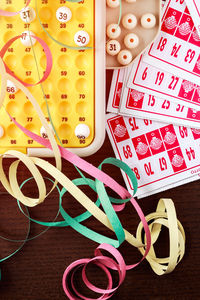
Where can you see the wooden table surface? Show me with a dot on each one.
(36, 271)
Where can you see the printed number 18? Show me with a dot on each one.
(162, 44)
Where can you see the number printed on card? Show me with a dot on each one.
(177, 49)
(163, 84)
(159, 154)
(142, 105)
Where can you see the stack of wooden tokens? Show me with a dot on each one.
(138, 27)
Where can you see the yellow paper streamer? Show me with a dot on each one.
(13, 187)
(164, 216)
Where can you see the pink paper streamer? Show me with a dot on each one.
(102, 261)
(93, 171)
(46, 51)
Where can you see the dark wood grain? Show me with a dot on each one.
(35, 272)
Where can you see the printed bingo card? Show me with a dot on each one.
(194, 8)
(162, 84)
(177, 47)
(142, 105)
(127, 101)
(161, 155)
(115, 90)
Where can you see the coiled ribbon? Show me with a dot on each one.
(46, 51)
(32, 163)
(165, 215)
(161, 218)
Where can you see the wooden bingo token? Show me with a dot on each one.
(63, 14)
(28, 14)
(140, 18)
(81, 38)
(131, 40)
(113, 31)
(113, 47)
(113, 3)
(11, 87)
(82, 131)
(43, 132)
(124, 57)
(129, 21)
(27, 38)
(148, 21)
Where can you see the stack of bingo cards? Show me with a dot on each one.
(155, 104)
(73, 92)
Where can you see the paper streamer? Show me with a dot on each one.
(67, 153)
(17, 241)
(173, 253)
(23, 241)
(165, 215)
(114, 186)
(46, 51)
(32, 163)
(80, 218)
(104, 263)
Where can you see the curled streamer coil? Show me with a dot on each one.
(165, 215)
(32, 163)
(46, 51)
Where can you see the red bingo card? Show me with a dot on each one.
(161, 155)
(194, 9)
(177, 49)
(115, 91)
(162, 84)
(143, 105)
